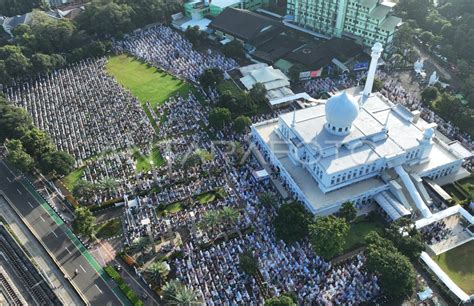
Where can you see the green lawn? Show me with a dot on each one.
(210, 196)
(169, 209)
(72, 178)
(143, 161)
(359, 229)
(468, 185)
(109, 229)
(454, 192)
(145, 82)
(458, 263)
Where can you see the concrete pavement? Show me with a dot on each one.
(67, 251)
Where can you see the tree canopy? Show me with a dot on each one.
(291, 223)
(396, 274)
(84, 222)
(17, 156)
(347, 211)
(241, 123)
(219, 117)
(328, 235)
(248, 263)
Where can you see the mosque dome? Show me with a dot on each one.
(341, 110)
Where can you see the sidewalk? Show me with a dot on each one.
(60, 286)
(265, 166)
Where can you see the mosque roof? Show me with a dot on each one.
(341, 109)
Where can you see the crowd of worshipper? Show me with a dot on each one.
(435, 232)
(317, 86)
(77, 106)
(164, 47)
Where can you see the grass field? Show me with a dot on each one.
(458, 263)
(109, 229)
(145, 82)
(72, 178)
(142, 162)
(358, 230)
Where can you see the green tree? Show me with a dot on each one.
(258, 93)
(60, 162)
(211, 77)
(396, 274)
(193, 34)
(268, 200)
(210, 220)
(406, 238)
(229, 215)
(37, 142)
(241, 123)
(219, 117)
(14, 121)
(429, 94)
(84, 222)
(104, 18)
(291, 223)
(248, 263)
(175, 293)
(84, 189)
(17, 156)
(328, 235)
(234, 49)
(157, 273)
(347, 211)
(294, 72)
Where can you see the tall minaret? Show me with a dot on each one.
(376, 52)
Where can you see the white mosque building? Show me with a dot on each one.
(359, 147)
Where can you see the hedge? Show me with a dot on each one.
(129, 293)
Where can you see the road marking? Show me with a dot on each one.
(98, 288)
(31, 205)
(83, 268)
(54, 234)
(9, 180)
(68, 250)
(18, 191)
(42, 219)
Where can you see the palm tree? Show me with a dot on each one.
(109, 184)
(268, 200)
(210, 219)
(229, 215)
(157, 272)
(175, 293)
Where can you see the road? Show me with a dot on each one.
(57, 238)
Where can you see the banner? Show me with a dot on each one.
(316, 73)
(361, 66)
(305, 75)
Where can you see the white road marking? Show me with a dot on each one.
(18, 191)
(98, 288)
(68, 250)
(54, 234)
(83, 268)
(42, 219)
(31, 205)
(9, 180)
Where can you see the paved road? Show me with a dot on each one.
(59, 241)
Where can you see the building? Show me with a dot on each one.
(359, 147)
(245, 26)
(366, 21)
(200, 8)
(275, 82)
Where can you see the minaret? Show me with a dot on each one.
(293, 122)
(376, 53)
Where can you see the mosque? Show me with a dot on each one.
(358, 146)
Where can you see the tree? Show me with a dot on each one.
(406, 238)
(104, 18)
(241, 123)
(294, 72)
(175, 293)
(258, 93)
(14, 121)
(268, 200)
(219, 117)
(18, 7)
(427, 37)
(60, 162)
(211, 77)
(234, 49)
(193, 34)
(347, 211)
(229, 215)
(248, 263)
(84, 189)
(429, 94)
(396, 274)
(84, 222)
(282, 300)
(17, 156)
(158, 272)
(210, 220)
(291, 223)
(37, 142)
(327, 235)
